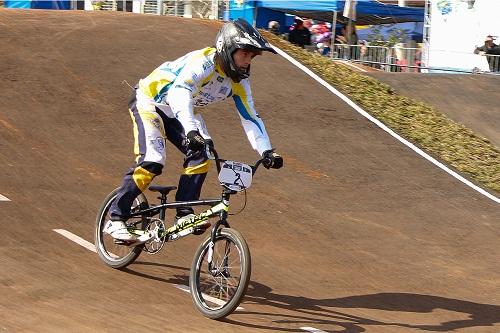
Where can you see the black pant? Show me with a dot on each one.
(138, 177)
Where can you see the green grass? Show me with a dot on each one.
(472, 155)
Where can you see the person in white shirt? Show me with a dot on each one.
(163, 107)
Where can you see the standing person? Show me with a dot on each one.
(274, 27)
(325, 47)
(353, 39)
(490, 48)
(300, 35)
(349, 40)
(162, 108)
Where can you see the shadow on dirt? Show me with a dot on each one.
(175, 279)
(316, 311)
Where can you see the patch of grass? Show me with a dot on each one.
(419, 123)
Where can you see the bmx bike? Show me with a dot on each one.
(221, 267)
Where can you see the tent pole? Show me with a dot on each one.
(334, 26)
(349, 32)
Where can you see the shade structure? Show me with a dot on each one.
(367, 11)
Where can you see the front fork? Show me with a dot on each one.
(222, 221)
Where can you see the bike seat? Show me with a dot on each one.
(162, 189)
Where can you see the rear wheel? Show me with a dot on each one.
(218, 289)
(112, 253)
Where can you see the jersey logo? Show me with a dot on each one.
(207, 65)
(158, 143)
(155, 122)
(223, 90)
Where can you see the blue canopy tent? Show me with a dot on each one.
(39, 4)
(17, 4)
(367, 11)
(412, 30)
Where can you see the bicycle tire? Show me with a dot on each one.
(104, 243)
(198, 290)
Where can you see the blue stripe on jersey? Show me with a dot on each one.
(176, 73)
(162, 92)
(243, 111)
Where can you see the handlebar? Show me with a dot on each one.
(211, 154)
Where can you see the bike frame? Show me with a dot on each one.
(150, 221)
(219, 207)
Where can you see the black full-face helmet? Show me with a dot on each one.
(236, 35)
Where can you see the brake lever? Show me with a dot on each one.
(256, 166)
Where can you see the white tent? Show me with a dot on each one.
(457, 27)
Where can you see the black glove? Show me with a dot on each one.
(272, 160)
(195, 141)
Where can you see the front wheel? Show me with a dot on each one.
(218, 288)
(110, 252)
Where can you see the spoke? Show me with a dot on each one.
(232, 282)
(218, 286)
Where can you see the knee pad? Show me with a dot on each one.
(144, 173)
(152, 167)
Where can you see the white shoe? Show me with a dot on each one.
(118, 230)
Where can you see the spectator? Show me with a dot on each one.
(308, 24)
(363, 51)
(316, 34)
(326, 47)
(345, 50)
(490, 48)
(353, 39)
(300, 35)
(418, 60)
(343, 39)
(274, 27)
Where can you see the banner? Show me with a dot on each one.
(457, 28)
(350, 9)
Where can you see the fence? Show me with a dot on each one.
(493, 62)
(390, 59)
(208, 9)
(404, 59)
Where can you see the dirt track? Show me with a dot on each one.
(355, 234)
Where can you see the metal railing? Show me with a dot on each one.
(173, 8)
(151, 7)
(390, 59)
(493, 62)
(406, 59)
(104, 5)
(207, 9)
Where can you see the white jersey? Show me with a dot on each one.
(193, 81)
